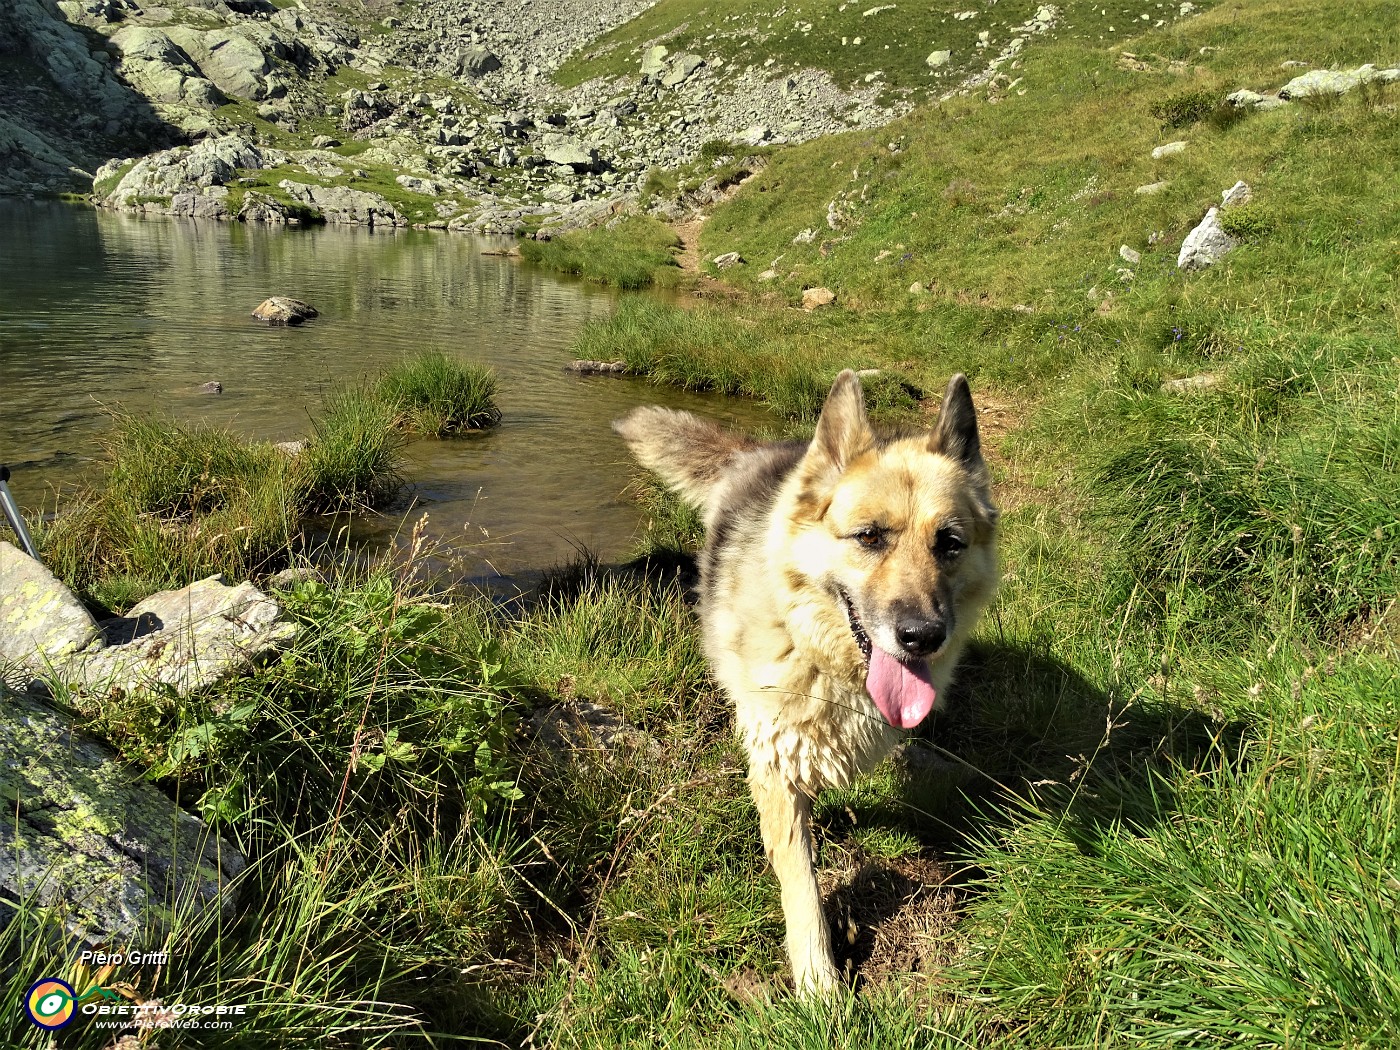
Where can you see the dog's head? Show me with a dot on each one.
(898, 534)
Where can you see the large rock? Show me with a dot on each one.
(654, 61)
(178, 640)
(681, 68)
(1205, 245)
(84, 833)
(234, 63)
(477, 62)
(570, 152)
(280, 309)
(40, 620)
(1317, 82)
(153, 63)
(183, 170)
(181, 641)
(340, 204)
(228, 57)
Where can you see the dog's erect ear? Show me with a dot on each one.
(843, 430)
(956, 433)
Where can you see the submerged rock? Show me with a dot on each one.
(592, 368)
(279, 309)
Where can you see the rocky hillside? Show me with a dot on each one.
(454, 113)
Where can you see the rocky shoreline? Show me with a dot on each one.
(288, 114)
(441, 115)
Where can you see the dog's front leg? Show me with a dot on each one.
(785, 814)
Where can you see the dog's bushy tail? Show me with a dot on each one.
(687, 452)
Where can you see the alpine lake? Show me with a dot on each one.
(104, 313)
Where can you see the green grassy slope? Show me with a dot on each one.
(1185, 706)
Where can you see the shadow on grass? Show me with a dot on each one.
(1025, 737)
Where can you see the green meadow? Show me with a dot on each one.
(1162, 807)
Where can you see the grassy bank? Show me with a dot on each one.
(1179, 730)
(637, 252)
(181, 502)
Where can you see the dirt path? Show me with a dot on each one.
(688, 258)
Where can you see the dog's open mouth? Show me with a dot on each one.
(903, 692)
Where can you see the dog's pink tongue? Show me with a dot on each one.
(903, 693)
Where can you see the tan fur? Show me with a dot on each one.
(781, 558)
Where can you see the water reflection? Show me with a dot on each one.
(100, 310)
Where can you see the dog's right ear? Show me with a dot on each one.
(843, 429)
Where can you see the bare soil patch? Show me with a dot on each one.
(890, 917)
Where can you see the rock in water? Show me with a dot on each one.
(280, 310)
(594, 368)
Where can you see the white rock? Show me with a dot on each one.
(1169, 149)
(938, 58)
(1205, 245)
(1240, 193)
(1129, 256)
(1205, 381)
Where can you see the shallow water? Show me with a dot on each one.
(100, 310)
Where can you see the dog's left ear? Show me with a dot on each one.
(956, 433)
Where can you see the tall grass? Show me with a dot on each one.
(351, 461)
(788, 361)
(178, 503)
(436, 396)
(181, 502)
(367, 777)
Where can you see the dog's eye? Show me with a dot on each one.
(947, 544)
(870, 538)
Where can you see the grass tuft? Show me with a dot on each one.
(437, 396)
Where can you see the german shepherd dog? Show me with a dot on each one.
(839, 581)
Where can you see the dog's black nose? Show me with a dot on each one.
(919, 637)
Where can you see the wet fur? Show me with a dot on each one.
(781, 557)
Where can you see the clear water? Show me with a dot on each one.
(100, 310)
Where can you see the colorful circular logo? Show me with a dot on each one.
(50, 1003)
